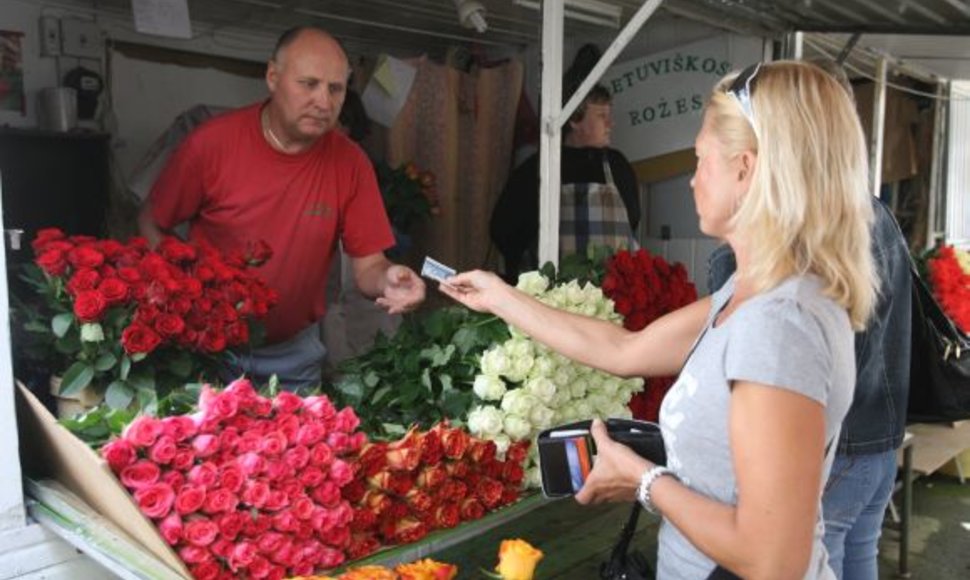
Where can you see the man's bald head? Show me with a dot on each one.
(311, 36)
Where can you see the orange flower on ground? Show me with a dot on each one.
(427, 569)
(517, 560)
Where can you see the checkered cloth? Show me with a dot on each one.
(593, 214)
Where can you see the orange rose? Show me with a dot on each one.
(369, 573)
(427, 569)
(517, 560)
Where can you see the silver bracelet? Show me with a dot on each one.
(646, 481)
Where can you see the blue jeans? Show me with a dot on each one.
(853, 506)
(297, 362)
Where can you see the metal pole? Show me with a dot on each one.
(550, 137)
(878, 127)
(619, 43)
(936, 164)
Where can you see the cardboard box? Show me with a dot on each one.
(47, 449)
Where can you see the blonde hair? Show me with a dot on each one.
(808, 208)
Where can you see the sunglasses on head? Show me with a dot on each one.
(741, 88)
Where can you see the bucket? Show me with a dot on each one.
(58, 109)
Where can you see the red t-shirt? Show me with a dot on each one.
(234, 188)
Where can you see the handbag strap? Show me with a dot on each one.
(626, 535)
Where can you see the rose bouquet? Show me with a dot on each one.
(523, 387)
(134, 323)
(247, 486)
(425, 481)
(644, 288)
(948, 270)
(409, 195)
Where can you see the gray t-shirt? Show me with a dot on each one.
(792, 337)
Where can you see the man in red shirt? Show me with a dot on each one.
(276, 171)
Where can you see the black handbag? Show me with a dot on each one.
(624, 564)
(939, 386)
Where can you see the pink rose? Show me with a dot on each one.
(357, 441)
(140, 474)
(302, 508)
(222, 548)
(319, 406)
(337, 537)
(119, 453)
(176, 479)
(229, 438)
(346, 420)
(248, 442)
(339, 442)
(311, 476)
(242, 389)
(258, 568)
(183, 460)
(204, 474)
(310, 433)
(272, 443)
(297, 457)
(287, 403)
(330, 557)
(302, 569)
(143, 431)
(171, 529)
(262, 407)
(205, 445)
(341, 472)
(278, 471)
(258, 525)
(156, 500)
(276, 501)
(288, 425)
(255, 494)
(201, 532)
(321, 455)
(285, 521)
(230, 524)
(270, 542)
(343, 514)
(163, 451)
(219, 500)
(242, 555)
(206, 570)
(231, 478)
(189, 499)
(179, 427)
(251, 464)
(218, 406)
(326, 494)
(194, 554)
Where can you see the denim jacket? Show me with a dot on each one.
(877, 417)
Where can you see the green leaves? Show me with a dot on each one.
(77, 377)
(422, 374)
(61, 323)
(119, 395)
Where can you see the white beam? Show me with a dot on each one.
(619, 43)
(550, 135)
(12, 514)
(878, 126)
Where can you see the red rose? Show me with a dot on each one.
(169, 325)
(219, 500)
(206, 570)
(513, 473)
(364, 520)
(510, 494)
(258, 252)
(377, 501)
(431, 449)
(455, 442)
(44, 237)
(432, 476)
(419, 501)
(156, 500)
(52, 262)
(352, 492)
(140, 474)
(212, 341)
(481, 450)
(472, 509)
(174, 250)
(361, 545)
(89, 305)
(446, 516)
(163, 451)
(189, 499)
(517, 452)
(489, 492)
(453, 490)
(138, 338)
(119, 453)
(457, 469)
(114, 290)
(404, 531)
(200, 532)
(171, 529)
(82, 280)
(85, 257)
(404, 454)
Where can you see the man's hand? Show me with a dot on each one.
(403, 290)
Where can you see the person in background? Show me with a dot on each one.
(277, 171)
(600, 203)
(766, 364)
(864, 472)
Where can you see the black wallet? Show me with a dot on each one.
(566, 452)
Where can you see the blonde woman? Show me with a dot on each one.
(767, 363)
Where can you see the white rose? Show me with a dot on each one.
(532, 283)
(541, 416)
(543, 389)
(564, 375)
(91, 332)
(485, 421)
(583, 410)
(533, 478)
(519, 402)
(519, 368)
(494, 362)
(489, 388)
(502, 443)
(516, 427)
(579, 387)
(588, 309)
(519, 347)
(543, 366)
(575, 294)
(609, 387)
